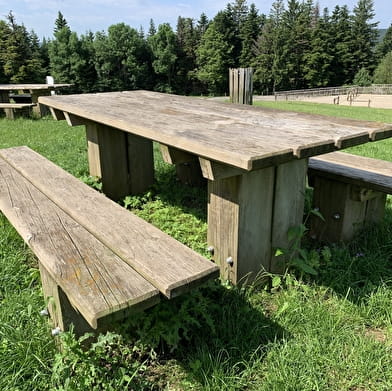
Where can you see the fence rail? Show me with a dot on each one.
(379, 89)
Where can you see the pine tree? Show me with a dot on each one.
(165, 53)
(19, 54)
(270, 56)
(186, 61)
(383, 72)
(385, 46)
(365, 33)
(342, 41)
(60, 23)
(318, 59)
(119, 59)
(250, 30)
(213, 58)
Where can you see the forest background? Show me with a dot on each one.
(296, 46)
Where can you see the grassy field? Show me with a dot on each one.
(332, 331)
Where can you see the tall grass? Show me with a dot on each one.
(332, 331)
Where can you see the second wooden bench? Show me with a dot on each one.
(349, 191)
(97, 260)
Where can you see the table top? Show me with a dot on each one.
(43, 86)
(242, 136)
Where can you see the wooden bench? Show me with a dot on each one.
(10, 108)
(349, 191)
(97, 260)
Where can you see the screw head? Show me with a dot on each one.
(44, 312)
(211, 250)
(230, 261)
(56, 331)
(337, 216)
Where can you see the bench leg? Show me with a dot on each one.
(343, 210)
(249, 216)
(4, 98)
(62, 313)
(123, 161)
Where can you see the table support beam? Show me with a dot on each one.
(123, 161)
(249, 216)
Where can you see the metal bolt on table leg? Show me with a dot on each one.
(211, 250)
(230, 261)
(44, 312)
(56, 331)
(337, 216)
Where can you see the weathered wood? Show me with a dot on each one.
(357, 170)
(174, 156)
(350, 192)
(289, 200)
(58, 115)
(95, 280)
(242, 136)
(343, 215)
(239, 223)
(241, 86)
(16, 105)
(74, 120)
(167, 264)
(94, 163)
(124, 161)
(214, 170)
(187, 165)
(140, 163)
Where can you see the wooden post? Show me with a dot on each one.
(39, 110)
(4, 98)
(123, 161)
(249, 216)
(62, 313)
(241, 85)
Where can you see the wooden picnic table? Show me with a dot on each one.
(33, 90)
(255, 160)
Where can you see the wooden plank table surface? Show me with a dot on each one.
(254, 158)
(35, 90)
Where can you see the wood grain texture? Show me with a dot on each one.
(289, 200)
(167, 264)
(239, 223)
(362, 171)
(239, 135)
(96, 281)
(343, 214)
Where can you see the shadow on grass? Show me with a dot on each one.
(213, 332)
(360, 267)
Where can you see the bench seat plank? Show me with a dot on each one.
(96, 281)
(16, 105)
(167, 264)
(357, 170)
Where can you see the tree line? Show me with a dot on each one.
(296, 46)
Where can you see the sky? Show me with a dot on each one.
(98, 15)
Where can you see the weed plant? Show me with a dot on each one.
(328, 330)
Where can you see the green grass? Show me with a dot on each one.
(328, 332)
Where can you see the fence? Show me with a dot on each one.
(379, 89)
(241, 85)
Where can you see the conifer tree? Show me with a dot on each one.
(365, 33)
(165, 52)
(385, 46)
(213, 59)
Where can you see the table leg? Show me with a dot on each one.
(249, 216)
(39, 110)
(4, 98)
(123, 161)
